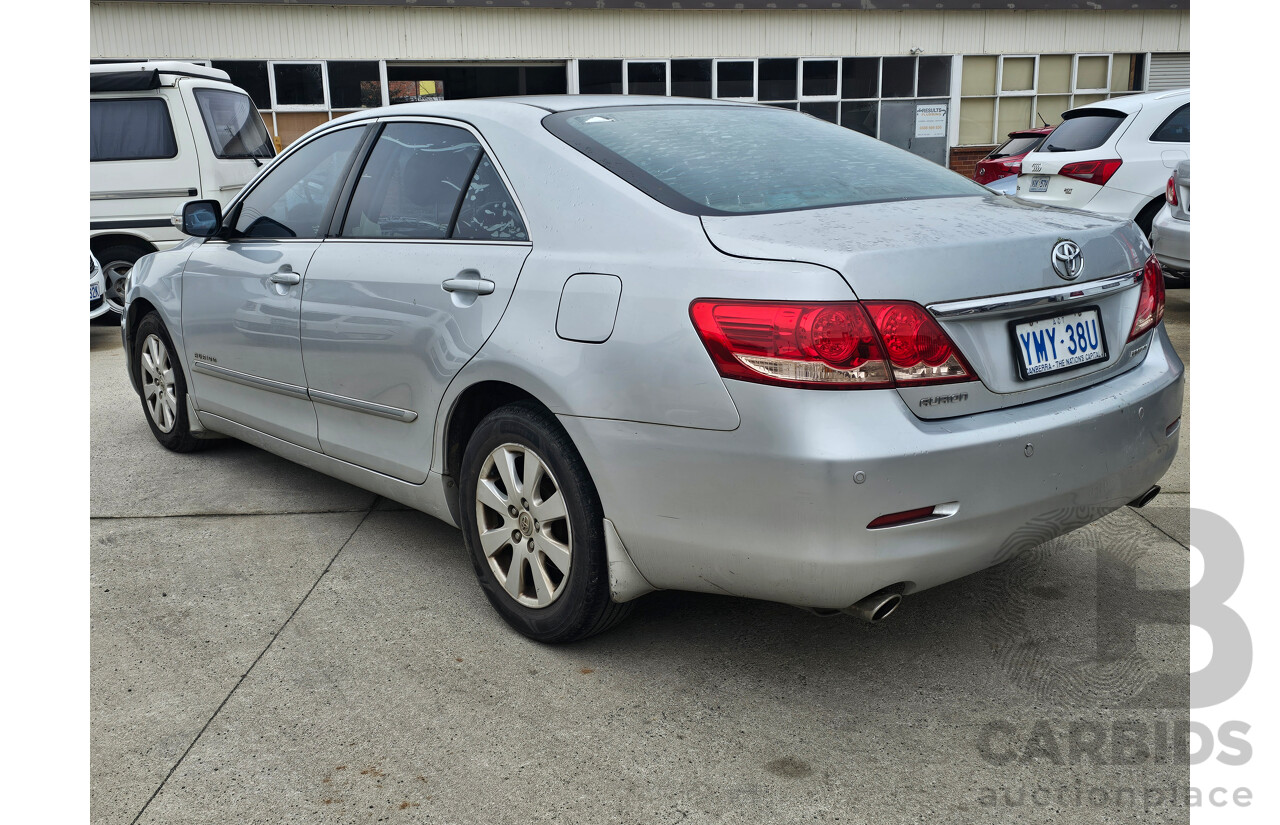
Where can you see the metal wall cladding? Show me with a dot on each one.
(283, 32)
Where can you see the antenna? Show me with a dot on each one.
(1042, 120)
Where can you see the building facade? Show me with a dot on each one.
(947, 82)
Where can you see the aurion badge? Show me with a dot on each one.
(1068, 260)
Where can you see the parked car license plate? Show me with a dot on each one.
(1039, 183)
(95, 292)
(1059, 342)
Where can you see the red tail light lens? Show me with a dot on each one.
(1091, 171)
(1171, 192)
(1150, 300)
(826, 345)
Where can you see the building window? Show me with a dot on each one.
(250, 75)
(646, 77)
(735, 79)
(691, 78)
(298, 85)
(354, 84)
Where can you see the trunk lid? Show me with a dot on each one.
(948, 252)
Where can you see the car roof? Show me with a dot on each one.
(548, 103)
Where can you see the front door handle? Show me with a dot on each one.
(285, 275)
(479, 286)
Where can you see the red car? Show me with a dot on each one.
(1006, 160)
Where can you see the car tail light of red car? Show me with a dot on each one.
(1091, 171)
(840, 345)
(1150, 299)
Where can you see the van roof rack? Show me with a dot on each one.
(140, 76)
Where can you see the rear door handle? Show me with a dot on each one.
(479, 286)
(285, 275)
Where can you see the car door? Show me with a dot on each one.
(242, 292)
(420, 269)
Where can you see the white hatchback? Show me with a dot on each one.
(1112, 157)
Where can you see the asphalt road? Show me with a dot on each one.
(270, 645)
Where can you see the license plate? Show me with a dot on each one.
(1039, 183)
(95, 292)
(1059, 342)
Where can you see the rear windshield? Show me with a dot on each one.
(1086, 131)
(1017, 146)
(124, 129)
(736, 160)
(234, 125)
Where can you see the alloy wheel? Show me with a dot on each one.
(115, 274)
(159, 390)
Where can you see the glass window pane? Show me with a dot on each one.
(861, 117)
(412, 182)
(829, 112)
(899, 77)
(978, 76)
(736, 79)
(1015, 113)
(1126, 72)
(1055, 74)
(299, 84)
(250, 75)
(819, 78)
(1091, 73)
(1049, 109)
(935, 76)
(545, 80)
(739, 160)
(233, 124)
(488, 213)
(778, 79)
(647, 78)
(1084, 132)
(354, 84)
(292, 200)
(861, 78)
(1176, 127)
(977, 116)
(130, 130)
(1019, 74)
(691, 78)
(600, 77)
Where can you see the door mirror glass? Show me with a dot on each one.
(201, 219)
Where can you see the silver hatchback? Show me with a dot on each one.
(627, 344)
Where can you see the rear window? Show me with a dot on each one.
(124, 129)
(1017, 146)
(1088, 130)
(234, 125)
(735, 160)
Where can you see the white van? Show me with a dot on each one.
(162, 133)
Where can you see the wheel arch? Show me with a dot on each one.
(97, 243)
(465, 413)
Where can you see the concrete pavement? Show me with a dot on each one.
(269, 645)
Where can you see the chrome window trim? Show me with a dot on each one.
(446, 241)
(369, 407)
(234, 376)
(1020, 301)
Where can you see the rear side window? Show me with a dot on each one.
(488, 213)
(1017, 146)
(1176, 127)
(294, 198)
(1084, 131)
(130, 130)
(234, 126)
(736, 160)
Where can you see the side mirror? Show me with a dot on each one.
(201, 219)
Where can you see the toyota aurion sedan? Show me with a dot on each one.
(633, 343)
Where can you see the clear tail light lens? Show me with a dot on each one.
(1150, 300)
(826, 345)
(1091, 171)
(1171, 192)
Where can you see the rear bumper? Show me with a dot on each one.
(1100, 200)
(1171, 242)
(771, 510)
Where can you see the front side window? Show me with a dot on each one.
(136, 129)
(412, 182)
(1176, 127)
(725, 160)
(294, 198)
(234, 126)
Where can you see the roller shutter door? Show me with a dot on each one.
(1169, 71)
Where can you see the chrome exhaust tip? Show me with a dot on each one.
(877, 607)
(1145, 499)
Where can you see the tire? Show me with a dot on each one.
(164, 387)
(116, 261)
(525, 579)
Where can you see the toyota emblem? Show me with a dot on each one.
(1068, 260)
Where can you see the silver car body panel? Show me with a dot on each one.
(711, 484)
(1171, 229)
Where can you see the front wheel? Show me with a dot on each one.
(164, 387)
(534, 527)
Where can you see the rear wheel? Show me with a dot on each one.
(164, 387)
(533, 524)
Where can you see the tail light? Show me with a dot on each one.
(1150, 300)
(840, 345)
(1171, 192)
(1091, 171)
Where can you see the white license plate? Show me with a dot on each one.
(95, 292)
(1048, 345)
(1039, 183)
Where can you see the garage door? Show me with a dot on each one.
(1169, 71)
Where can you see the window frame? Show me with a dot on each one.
(277, 106)
(755, 78)
(834, 96)
(1075, 75)
(666, 63)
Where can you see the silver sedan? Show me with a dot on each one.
(627, 344)
(1171, 229)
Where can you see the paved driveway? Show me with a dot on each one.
(270, 645)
